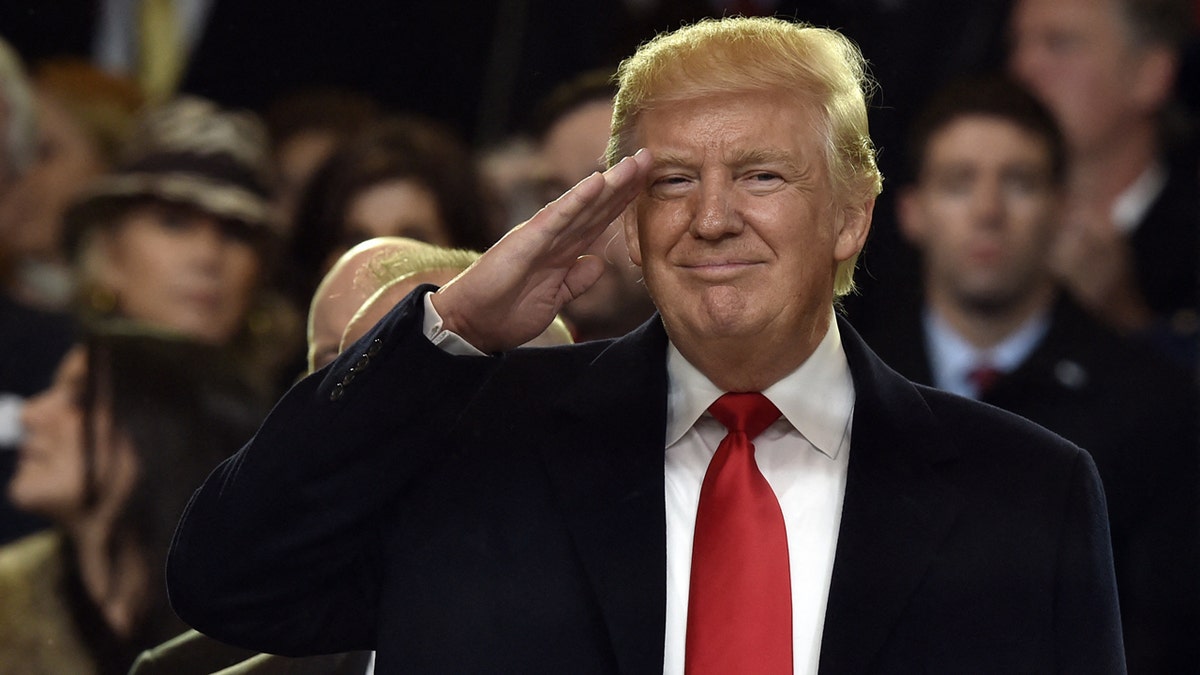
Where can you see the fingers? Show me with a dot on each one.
(586, 209)
(586, 271)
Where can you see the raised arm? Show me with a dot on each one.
(279, 550)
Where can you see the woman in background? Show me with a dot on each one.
(133, 422)
(180, 235)
(401, 177)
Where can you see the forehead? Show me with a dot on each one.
(728, 125)
(1095, 17)
(985, 140)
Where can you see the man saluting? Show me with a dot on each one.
(739, 485)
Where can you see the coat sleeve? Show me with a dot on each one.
(278, 550)
(1087, 618)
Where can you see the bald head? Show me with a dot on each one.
(349, 283)
(369, 279)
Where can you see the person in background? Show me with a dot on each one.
(32, 341)
(84, 118)
(404, 177)
(572, 126)
(133, 422)
(178, 235)
(1129, 247)
(369, 279)
(305, 127)
(995, 325)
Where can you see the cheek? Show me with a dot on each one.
(51, 486)
(243, 267)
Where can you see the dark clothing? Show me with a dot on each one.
(1136, 415)
(1166, 259)
(506, 514)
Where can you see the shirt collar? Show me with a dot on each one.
(951, 357)
(817, 398)
(1130, 206)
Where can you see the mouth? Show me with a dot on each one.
(205, 299)
(720, 270)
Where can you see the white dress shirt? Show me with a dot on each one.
(804, 456)
(952, 358)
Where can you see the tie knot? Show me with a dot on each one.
(748, 413)
(983, 377)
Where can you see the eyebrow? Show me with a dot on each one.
(739, 158)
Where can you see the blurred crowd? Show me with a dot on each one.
(185, 189)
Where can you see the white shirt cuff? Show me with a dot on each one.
(448, 341)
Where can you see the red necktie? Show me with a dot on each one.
(983, 377)
(740, 599)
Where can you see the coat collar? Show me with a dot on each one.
(897, 510)
(610, 483)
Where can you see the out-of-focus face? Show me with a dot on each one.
(737, 232)
(50, 477)
(342, 292)
(396, 208)
(31, 217)
(983, 214)
(1076, 57)
(177, 267)
(571, 150)
(574, 146)
(296, 159)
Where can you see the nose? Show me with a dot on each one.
(715, 217)
(206, 242)
(26, 413)
(987, 203)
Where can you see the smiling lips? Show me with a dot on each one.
(718, 270)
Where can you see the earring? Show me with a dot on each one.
(102, 300)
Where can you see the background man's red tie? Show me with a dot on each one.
(740, 599)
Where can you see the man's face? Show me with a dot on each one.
(983, 214)
(572, 149)
(737, 232)
(1075, 56)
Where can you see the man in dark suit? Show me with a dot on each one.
(994, 324)
(1129, 246)
(463, 506)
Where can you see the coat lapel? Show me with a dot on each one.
(897, 511)
(610, 484)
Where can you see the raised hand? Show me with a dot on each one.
(513, 292)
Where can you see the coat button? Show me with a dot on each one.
(376, 345)
(347, 379)
(362, 363)
(339, 390)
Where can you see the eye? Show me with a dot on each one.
(237, 231)
(173, 218)
(672, 185)
(762, 181)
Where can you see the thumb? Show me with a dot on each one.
(586, 271)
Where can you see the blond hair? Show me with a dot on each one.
(820, 66)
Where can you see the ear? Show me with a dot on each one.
(629, 222)
(1154, 78)
(854, 223)
(100, 258)
(908, 215)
